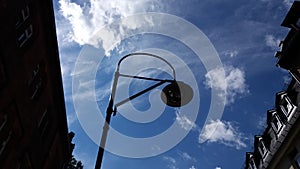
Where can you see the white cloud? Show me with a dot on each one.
(231, 53)
(169, 159)
(74, 14)
(185, 122)
(185, 156)
(71, 118)
(223, 132)
(85, 20)
(272, 42)
(218, 168)
(63, 31)
(192, 167)
(262, 122)
(233, 85)
(171, 162)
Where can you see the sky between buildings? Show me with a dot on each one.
(223, 49)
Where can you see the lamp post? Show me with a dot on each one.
(175, 94)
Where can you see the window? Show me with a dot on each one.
(4, 142)
(3, 122)
(5, 131)
(276, 123)
(36, 82)
(6, 138)
(286, 106)
(24, 27)
(10, 127)
(22, 16)
(252, 164)
(44, 124)
(24, 36)
(262, 148)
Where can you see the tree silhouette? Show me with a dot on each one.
(74, 164)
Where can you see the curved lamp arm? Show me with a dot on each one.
(118, 74)
(147, 54)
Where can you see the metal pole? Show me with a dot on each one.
(104, 134)
(109, 112)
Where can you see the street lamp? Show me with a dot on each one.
(175, 94)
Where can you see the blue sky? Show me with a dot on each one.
(223, 49)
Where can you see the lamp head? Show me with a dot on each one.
(177, 94)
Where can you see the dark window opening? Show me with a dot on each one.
(37, 82)
(22, 16)
(25, 36)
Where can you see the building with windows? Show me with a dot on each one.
(33, 124)
(279, 146)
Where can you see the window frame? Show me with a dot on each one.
(262, 148)
(279, 123)
(22, 16)
(25, 36)
(289, 108)
(252, 164)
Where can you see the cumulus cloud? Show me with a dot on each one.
(192, 167)
(78, 20)
(185, 122)
(218, 168)
(223, 132)
(272, 41)
(87, 18)
(234, 84)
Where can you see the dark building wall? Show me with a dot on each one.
(33, 125)
(287, 149)
(288, 57)
(279, 146)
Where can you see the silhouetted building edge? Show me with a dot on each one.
(34, 132)
(279, 145)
